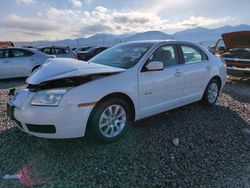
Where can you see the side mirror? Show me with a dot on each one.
(155, 66)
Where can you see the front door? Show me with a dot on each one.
(161, 90)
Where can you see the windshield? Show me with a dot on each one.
(122, 56)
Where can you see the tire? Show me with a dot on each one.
(211, 93)
(107, 127)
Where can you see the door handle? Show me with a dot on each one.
(6, 61)
(178, 74)
(209, 68)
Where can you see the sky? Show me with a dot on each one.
(29, 20)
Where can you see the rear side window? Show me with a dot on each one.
(191, 54)
(21, 53)
(166, 54)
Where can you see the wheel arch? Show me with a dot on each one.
(121, 95)
(218, 79)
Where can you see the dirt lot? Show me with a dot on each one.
(213, 150)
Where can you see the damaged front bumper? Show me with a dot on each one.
(63, 121)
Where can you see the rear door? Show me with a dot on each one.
(5, 64)
(161, 90)
(21, 62)
(197, 72)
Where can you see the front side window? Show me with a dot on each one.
(21, 53)
(122, 56)
(166, 54)
(191, 54)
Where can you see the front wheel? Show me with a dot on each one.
(110, 119)
(211, 93)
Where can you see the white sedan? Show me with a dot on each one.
(19, 62)
(65, 98)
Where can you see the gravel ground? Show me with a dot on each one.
(213, 150)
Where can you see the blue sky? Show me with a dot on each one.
(27, 20)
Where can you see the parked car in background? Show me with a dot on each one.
(58, 51)
(235, 49)
(87, 55)
(123, 84)
(20, 62)
(84, 48)
(6, 44)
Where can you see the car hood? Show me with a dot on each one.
(237, 40)
(59, 68)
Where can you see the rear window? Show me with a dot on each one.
(61, 51)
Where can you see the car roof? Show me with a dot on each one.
(18, 48)
(160, 41)
(52, 47)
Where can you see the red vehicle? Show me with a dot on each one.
(235, 49)
(6, 44)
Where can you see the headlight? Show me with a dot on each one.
(50, 97)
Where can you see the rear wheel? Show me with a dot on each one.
(212, 92)
(110, 120)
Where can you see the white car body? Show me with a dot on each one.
(22, 64)
(149, 93)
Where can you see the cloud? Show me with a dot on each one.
(117, 22)
(26, 2)
(79, 3)
(68, 23)
(29, 24)
(76, 3)
(199, 21)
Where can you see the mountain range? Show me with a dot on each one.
(201, 35)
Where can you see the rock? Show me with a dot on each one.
(176, 141)
(246, 130)
(10, 177)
